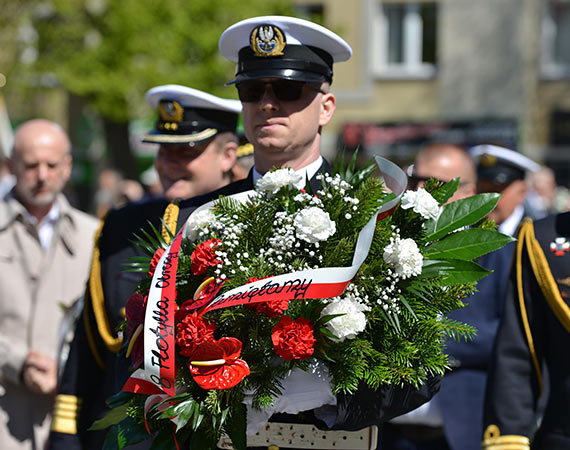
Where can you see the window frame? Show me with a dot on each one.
(413, 67)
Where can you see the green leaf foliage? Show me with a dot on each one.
(443, 193)
(113, 417)
(236, 427)
(454, 271)
(461, 213)
(128, 431)
(111, 52)
(467, 244)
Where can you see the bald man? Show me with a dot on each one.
(453, 420)
(45, 252)
(445, 162)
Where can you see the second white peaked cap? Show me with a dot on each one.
(505, 156)
(282, 47)
(188, 115)
(189, 97)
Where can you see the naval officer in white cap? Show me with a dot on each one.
(283, 75)
(502, 170)
(284, 72)
(196, 132)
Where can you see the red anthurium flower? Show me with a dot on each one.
(207, 291)
(271, 309)
(192, 331)
(135, 311)
(293, 339)
(154, 261)
(215, 364)
(203, 256)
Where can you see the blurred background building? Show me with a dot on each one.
(485, 71)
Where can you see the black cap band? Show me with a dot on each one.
(193, 125)
(297, 58)
(501, 174)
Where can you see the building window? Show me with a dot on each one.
(556, 39)
(404, 40)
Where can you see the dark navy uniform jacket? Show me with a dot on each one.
(513, 387)
(462, 392)
(92, 383)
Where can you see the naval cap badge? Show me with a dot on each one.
(267, 40)
(171, 111)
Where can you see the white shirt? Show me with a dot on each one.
(509, 226)
(46, 226)
(307, 171)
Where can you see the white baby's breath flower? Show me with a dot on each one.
(404, 257)
(198, 222)
(313, 225)
(271, 182)
(353, 320)
(422, 202)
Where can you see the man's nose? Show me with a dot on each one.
(43, 171)
(268, 100)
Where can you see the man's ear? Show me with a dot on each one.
(328, 106)
(228, 156)
(68, 165)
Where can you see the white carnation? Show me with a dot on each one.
(422, 202)
(351, 323)
(271, 182)
(313, 225)
(404, 257)
(199, 222)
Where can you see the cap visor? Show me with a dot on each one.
(285, 74)
(194, 138)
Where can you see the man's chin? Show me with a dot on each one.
(43, 199)
(179, 191)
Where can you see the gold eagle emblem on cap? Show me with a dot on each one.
(171, 111)
(267, 40)
(488, 160)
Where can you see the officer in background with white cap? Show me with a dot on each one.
(503, 170)
(196, 133)
(283, 77)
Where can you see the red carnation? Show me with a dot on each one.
(134, 312)
(216, 364)
(293, 339)
(203, 256)
(272, 308)
(154, 261)
(192, 331)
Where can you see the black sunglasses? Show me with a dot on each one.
(414, 180)
(284, 90)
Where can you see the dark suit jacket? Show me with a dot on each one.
(512, 389)
(462, 392)
(93, 384)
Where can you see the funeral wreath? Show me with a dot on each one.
(350, 284)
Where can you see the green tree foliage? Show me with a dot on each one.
(111, 52)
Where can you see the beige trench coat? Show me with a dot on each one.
(33, 285)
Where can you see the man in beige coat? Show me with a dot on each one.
(45, 252)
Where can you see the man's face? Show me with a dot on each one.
(186, 171)
(445, 168)
(42, 167)
(281, 129)
(512, 195)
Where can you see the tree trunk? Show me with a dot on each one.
(119, 149)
